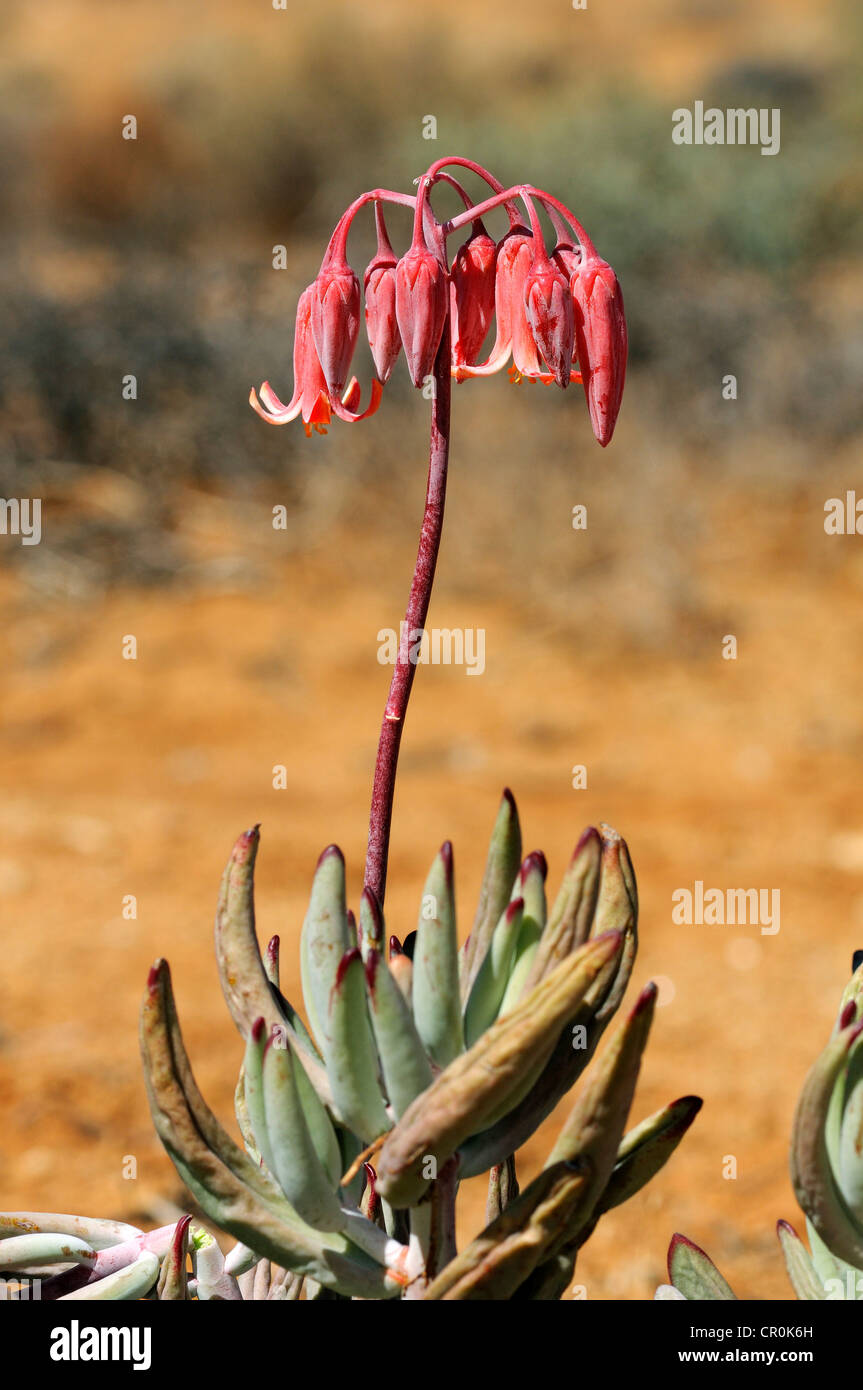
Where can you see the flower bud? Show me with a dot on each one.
(336, 322)
(549, 311)
(472, 280)
(422, 300)
(379, 284)
(601, 342)
(381, 325)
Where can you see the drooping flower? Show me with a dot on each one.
(601, 341)
(548, 303)
(558, 314)
(422, 301)
(335, 318)
(311, 397)
(472, 284)
(379, 284)
(514, 335)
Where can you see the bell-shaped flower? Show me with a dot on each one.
(311, 398)
(472, 286)
(601, 341)
(379, 284)
(514, 336)
(422, 301)
(335, 317)
(548, 303)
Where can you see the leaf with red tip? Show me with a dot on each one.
(352, 1064)
(594, 1128)
(293, 1158)
(694, 1274)
(798, 1262)
(405, 1066)
(248, 990)
(489, 987)
(241, 970)
(815, 1183)
(502, 865)
(232, 1190)
(646, 1149)
(173, 1284)
(324, 940)
(572, 914)
(616, 910)
(436, 1004)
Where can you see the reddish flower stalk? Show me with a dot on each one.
(559, 317)
(383, 790)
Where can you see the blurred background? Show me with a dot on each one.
(258, 647)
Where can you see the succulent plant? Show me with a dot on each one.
(424, 1064)
(419, 1070)
(415, 1072)
(826, 1171)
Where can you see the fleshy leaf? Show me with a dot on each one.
(352, 1064)
(492, 1076)
(573, 912)
(492, 978)
(293, 1159)
(811, 1169)
(646, 1149)
(571, 1054)
(506, 1252)
(502, 864)
(435, 995)
(324, 940)
(233, 1191)
(801, 1271)
(693, 1272)
(173, 1284)
(404, 1062)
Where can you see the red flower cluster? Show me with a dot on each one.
(559, 312)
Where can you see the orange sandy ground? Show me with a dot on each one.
(134, 777)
